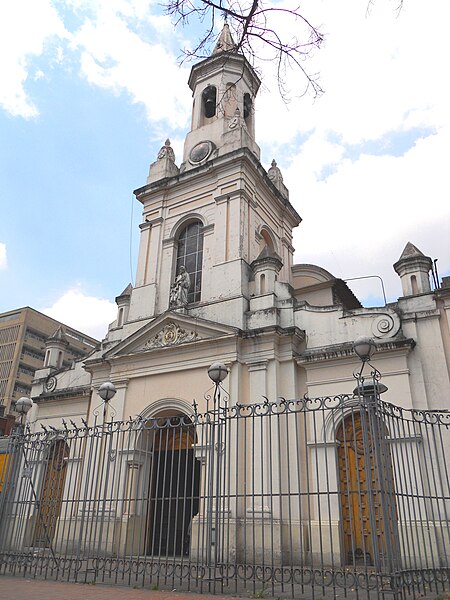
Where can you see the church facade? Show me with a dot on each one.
(216, 282)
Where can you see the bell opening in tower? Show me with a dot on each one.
(209, 99)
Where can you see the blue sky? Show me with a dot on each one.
(91, 89)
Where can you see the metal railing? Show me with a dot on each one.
(327, 497)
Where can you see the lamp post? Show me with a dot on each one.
(106, 391)
(377, 455)
(217, 372)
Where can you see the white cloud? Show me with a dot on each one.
(25, 28)
(86, 313)
(359, 218)
(3, 259)
(380, 72)
(110, 45)
(116, 58)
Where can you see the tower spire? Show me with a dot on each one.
(225, 42)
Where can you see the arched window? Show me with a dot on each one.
(190, 255)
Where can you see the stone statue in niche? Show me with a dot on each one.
(180, 288)
(166, 151)
(274, 174)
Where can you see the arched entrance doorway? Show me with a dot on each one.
(174, 486)
(366, 491)
(51, 494)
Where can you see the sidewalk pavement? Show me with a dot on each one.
(20, 588)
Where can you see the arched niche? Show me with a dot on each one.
(267, 239)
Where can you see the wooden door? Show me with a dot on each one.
(50, 502)
(360, 494)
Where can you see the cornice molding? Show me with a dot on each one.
(345, 350)
(63, 394)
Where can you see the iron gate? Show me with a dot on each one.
(324, 496)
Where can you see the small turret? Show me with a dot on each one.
(55, 348)
(266, 268)
(123, 305)
(413, 268)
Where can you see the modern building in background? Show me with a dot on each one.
(24, 339)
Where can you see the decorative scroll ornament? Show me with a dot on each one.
(170, 335)
(382, 326)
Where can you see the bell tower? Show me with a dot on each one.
(224, 87)
(207, 220)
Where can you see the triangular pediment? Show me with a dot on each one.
(168, 331)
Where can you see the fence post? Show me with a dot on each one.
(377, 458)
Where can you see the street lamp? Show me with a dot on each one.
(23, 406)
(364, 347)
(106, 391)
(217, 372)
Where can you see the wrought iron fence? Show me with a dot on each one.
(326, 497)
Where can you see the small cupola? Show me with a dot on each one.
(413, 268)
(55, 349)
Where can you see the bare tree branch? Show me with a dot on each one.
(258, 31)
